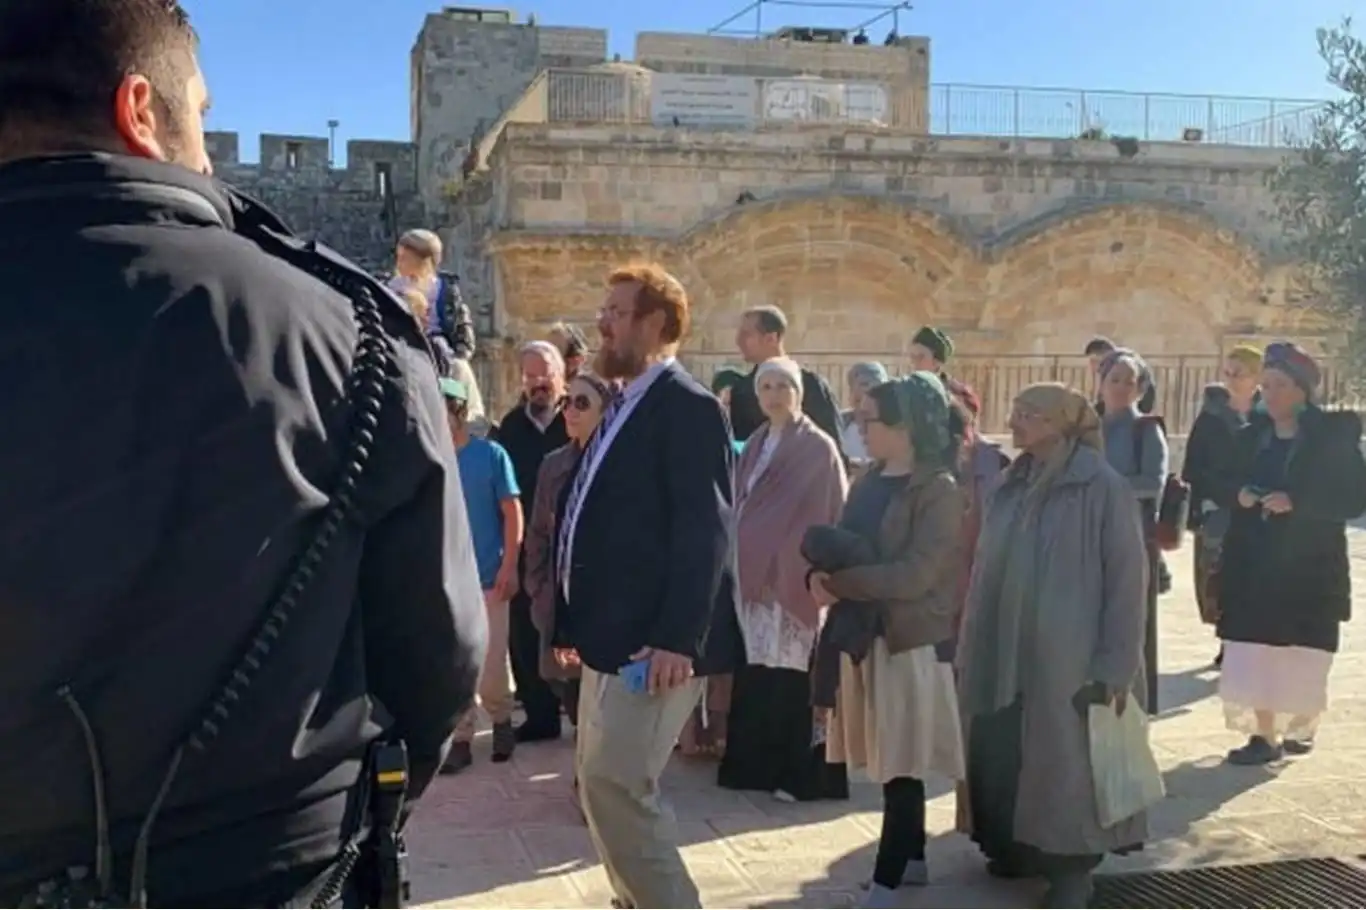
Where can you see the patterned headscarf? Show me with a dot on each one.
(1077, 420)
(1065, 408)
(1295, 362)
(925, 410)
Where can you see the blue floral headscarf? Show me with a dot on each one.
(927, 412)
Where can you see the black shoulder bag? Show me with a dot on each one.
(365, 392)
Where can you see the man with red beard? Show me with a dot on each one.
(644, 580)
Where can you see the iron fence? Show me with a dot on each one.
(951, 109)
(993, 110)
(1180, 379)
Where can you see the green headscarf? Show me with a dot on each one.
(726, 378)
(926, 411)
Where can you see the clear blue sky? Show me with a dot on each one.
(288, 66)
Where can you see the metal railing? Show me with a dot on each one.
(625, 96)
(1180, 379)
(993, 110)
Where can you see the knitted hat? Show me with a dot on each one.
(784, 366)
(938, 343)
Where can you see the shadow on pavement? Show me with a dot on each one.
(495, 826)
(1180, 690)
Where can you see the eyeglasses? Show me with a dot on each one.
(581, 403)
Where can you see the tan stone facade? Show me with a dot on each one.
(1021, 249)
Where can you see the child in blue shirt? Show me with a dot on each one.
(495, 515)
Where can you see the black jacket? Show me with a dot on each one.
(527, 446)
(1286, 579)
(1210, 454)
(818, 403)
(173, 409)
(653, 546)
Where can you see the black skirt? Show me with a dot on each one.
(769, 739)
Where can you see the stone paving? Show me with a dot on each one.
(509, 835)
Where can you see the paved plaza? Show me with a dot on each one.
(509, 835)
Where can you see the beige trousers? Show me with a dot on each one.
(624, 743)
(495, 690)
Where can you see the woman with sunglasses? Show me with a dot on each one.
(587, 396)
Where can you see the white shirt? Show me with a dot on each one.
(851, 441)
(630, 397)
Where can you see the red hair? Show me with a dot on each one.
(656, 292)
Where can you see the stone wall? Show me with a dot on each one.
(353, 209)
(465, 74)
(1019, 246)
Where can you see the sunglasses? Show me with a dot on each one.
(581, 403)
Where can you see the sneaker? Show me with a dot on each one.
(504, 741)
(459, 758)
(1258, 751)
(1298, 746)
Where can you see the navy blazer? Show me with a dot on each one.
(653, 547)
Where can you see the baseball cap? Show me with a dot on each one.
(454, 389)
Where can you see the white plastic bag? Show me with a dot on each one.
(1123, 768)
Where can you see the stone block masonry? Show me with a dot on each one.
(465, 74)
(357, 209)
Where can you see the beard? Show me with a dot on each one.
(610, 363)
(540, 401)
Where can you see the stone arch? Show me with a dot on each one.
(853, 273)
(1163, 279)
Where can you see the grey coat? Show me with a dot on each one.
(1091, 577)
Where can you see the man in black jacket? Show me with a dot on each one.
(177, 414)
(644, 581)
(759, 338)
(529, 432)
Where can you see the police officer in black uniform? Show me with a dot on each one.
(233, 550)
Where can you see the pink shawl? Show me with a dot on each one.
(804, 484)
